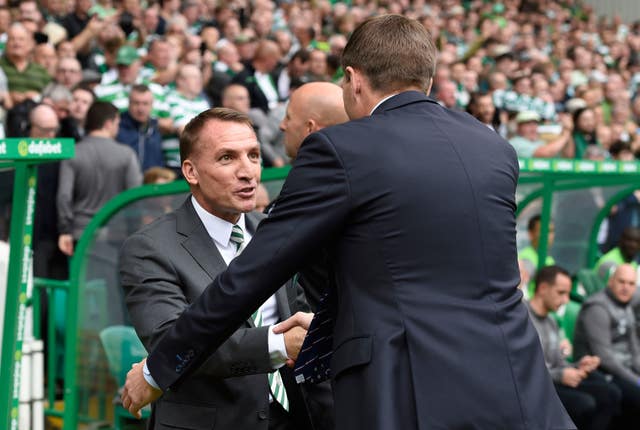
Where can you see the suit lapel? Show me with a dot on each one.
(197, 241)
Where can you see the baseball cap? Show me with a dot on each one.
(527, 116)
(127, 55)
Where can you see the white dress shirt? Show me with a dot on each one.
(268, 88)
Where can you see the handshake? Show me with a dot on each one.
(137, 393)
(294, 329)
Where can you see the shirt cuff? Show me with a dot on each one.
(277, 349)
(148, 377)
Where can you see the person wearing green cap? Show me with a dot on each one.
(117, 92)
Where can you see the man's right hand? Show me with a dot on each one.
(293, 340)
(65, 243)
(294, 329)
(572, 376)
(137, 392)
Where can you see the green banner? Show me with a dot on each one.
(558, 165)
(27, 255)
(36, 149)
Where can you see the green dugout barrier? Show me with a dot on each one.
(23, 154)
(577, 195)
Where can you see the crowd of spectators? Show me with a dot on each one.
(552, 77)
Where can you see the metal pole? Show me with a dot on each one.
(17, 278)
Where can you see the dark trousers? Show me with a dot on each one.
(592, 404)
(630, 417)
(279, 419)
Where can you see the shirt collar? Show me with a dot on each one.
(381, 101)
(218, 229)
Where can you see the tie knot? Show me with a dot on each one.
(237, 236)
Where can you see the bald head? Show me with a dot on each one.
(622, 283)
(44, 122)
(313, 106)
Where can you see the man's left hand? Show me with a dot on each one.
(589, 363)
(137, 392)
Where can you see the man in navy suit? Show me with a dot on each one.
(415, 204)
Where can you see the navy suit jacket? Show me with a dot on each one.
(416, 206)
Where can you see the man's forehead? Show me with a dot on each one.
(230, 132)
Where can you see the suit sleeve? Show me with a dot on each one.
(155, 300)
(312, 208)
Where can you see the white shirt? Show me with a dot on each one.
(220, 231)
(268, 88)
(380, 102)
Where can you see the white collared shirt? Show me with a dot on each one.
(382, 101)
(268, 88)
(220, 231)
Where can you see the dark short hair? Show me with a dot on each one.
(140, 88)
(533, 221)
(549, 274)
(191, 133)
(97, 116)
(393, 52)
(301, 54)
(474, 97)
(84, 87)
(618, 146)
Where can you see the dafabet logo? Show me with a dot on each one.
(23, 148)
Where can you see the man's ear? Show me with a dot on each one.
(354, 77)
(428, 91)
(190, 172)
(311, 126)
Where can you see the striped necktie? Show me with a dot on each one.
(237, 237)
(276, 386)
(275, 380)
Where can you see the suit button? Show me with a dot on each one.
(262, 415)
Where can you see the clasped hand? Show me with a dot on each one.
(137, 393)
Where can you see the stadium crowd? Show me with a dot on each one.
(551, 77)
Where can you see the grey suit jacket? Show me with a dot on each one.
(164, 267)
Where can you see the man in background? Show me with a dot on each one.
(100, 169)
(139, 130)
(606, 327)
(591, 401)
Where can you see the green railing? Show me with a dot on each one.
(79, 265)
(24, 155)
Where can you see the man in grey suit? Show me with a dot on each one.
(166, 266)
